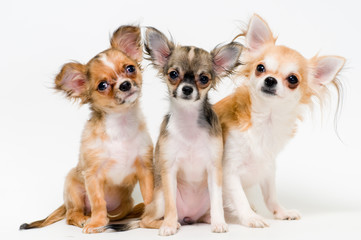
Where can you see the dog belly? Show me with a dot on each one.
(192, 202)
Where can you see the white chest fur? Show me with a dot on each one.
(189, 147)
(124, 144)
(251, 154)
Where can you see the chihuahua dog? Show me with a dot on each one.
(116, 150)
(188, 155)
(261, 116)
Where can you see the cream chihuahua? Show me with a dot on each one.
(261, 116)
(116, 150)
(188, 155)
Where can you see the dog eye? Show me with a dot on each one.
(103, 85)
(130, 69)
(173, 74)
(204, 79)
(292, 79)
(261, 68)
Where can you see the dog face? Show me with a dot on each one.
(112, 80)
(279, 73)
(189, 71)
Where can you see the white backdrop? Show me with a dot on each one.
(40, 130)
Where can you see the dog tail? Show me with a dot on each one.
(121, 227)
(137, 212)
(57, 215)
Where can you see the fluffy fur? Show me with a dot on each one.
(260, 117)
(188, 155)
(116, 150)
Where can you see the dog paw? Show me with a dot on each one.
(168, 229)
(254, 221)
(219, 227)
(287, 215)
(94, 227)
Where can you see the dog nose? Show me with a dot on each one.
(270, 82)
(125, 86)
(187, 90)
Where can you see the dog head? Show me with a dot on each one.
(112, 80)
(189, 71)
(279, 73)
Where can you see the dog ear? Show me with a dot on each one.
(258, 34)
(73, 81)
(128, 40)
(325, 69)
(226, 58)
(158, 47)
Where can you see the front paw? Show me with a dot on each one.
(168, 229)
(287, 215)
(95, 227)
(254, 221)
(219, 227)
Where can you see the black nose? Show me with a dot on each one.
(270, 82)
(125, 86)
(187, 90)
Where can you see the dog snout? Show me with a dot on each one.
(270, 82)
(187, 90)
(125, 86)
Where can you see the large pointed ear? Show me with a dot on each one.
(128, 40)
(73, 81)
(325, 69)
(258, 34)
(226, 58)
(157, 46)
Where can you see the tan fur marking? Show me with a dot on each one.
(234, 111)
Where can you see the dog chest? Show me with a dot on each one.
(191, 149)
(246, 158)
(124, 144)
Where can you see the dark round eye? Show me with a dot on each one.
(204, 79)
(261, 68)
(130, 69)
(173, 74)
(292, 79)
(103, 85)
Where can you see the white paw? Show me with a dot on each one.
(219, 227)
(254, 221)
(168, 229)
(287, 215)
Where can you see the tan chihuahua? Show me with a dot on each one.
(116, 150)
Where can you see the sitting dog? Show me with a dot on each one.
(116, 150)
(261, 116)
(188, 155)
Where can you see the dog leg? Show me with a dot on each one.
(268, 187)
(170, 224)
(234, 191)
(95, 190)
(74, 200)
(144, 170)
(218, 223)
(154, 212)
